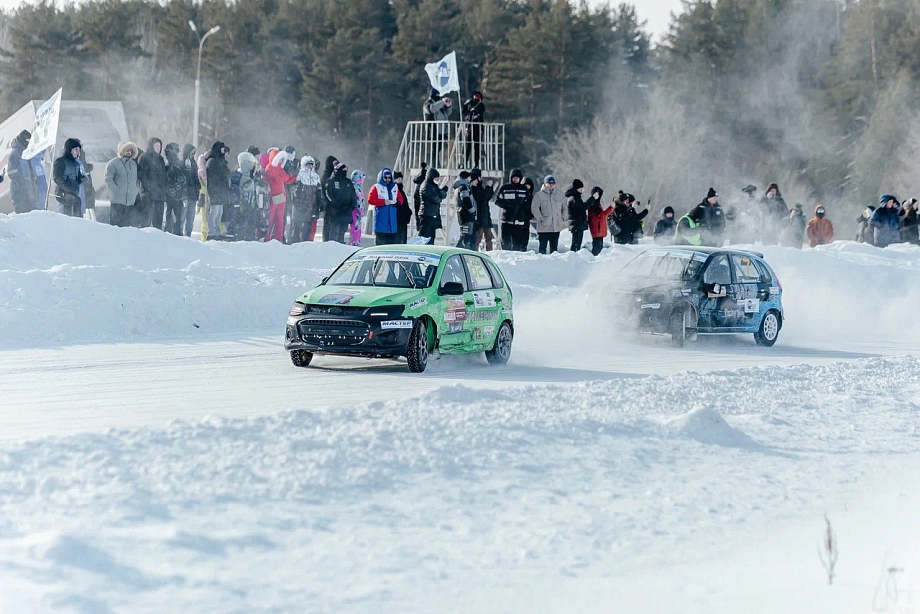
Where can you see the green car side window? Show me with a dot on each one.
(497, 281)
(479, 275)
(454, 271)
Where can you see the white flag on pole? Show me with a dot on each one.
(443, 74)
(44, 134)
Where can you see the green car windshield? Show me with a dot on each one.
(386, 270)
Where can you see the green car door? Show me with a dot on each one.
(455, 334)
(485, 301)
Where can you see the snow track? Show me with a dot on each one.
(159, 452)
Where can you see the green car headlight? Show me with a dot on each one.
(298, 309)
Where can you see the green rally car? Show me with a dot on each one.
(405, 300)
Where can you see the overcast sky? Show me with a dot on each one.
(657, 13)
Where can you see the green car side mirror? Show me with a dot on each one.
(451, 288)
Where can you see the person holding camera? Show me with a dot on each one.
(68, 177)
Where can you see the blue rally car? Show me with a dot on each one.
(686, 291)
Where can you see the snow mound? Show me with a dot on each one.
(708, 426)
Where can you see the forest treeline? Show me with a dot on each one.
(819, 95)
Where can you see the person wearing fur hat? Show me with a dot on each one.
(664, 228)
(597, 219)
(121, 181)
(578, 213)
(68, 177)
(277, 178)
(306, 201)
(243, 188)
(217, 172)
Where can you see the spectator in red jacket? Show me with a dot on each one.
(277, 178)
(820, 230)
(597, 220)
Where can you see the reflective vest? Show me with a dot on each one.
(689, 238)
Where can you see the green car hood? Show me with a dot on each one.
(360, 296)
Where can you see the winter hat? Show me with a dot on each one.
(909, 202)
(433, 174)
(711, 194)
(341, 167)
(70, 145)
(773, 186)
(881, 201)
(434, 94)
(549, 179)
(253, 150)
(290, 149)
(246, 161)
(598, 190)
(629, 198)
(308, 160)
(578, 184)
(528, 182)
(750, 189)
(25, 136)
(464, 175)
(477, 95)
(517, 173)
(667, 210)
(476, 173)
(397, 175)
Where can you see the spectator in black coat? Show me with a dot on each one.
(218, 186)
(151, 175)
(192, 186)
(628, 219)
(23, 181)
(513, 200)
(432, 196)
(466, 211)
(176, 191)
(578, 213)
(909, 222)
(403, 212)
(67, 175)
(664, 228)
(483, 195)
(341, 201)
(712, 220)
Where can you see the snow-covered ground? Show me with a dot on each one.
(159, 452)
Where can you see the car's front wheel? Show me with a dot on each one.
(501, 351)
(417, 353)
(301, 358)
(769, 330)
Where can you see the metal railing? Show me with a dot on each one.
(452, 146)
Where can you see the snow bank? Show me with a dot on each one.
(441, 502)
(65, 280)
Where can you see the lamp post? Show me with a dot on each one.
(201, 41)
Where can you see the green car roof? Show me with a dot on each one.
(436, 250)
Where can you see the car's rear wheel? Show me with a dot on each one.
(677, 326)
(769, 330)
(501, 351)
(417, 353)
(301, 358)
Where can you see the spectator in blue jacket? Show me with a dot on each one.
(886, 222)
(385, 196)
